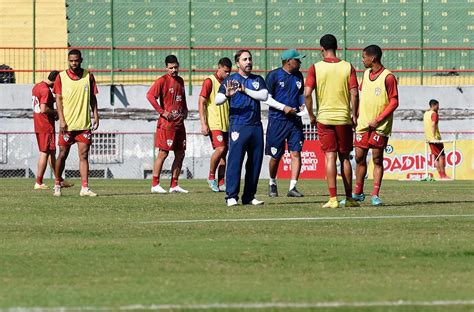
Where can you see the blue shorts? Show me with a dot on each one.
(281, 131)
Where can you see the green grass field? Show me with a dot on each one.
(114, 251)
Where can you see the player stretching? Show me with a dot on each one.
(378, 101)
(44, 115)
(430, 123)
(285, 98)
(75, 91)
(215, 123)
(336, 88)
(170, 131)
(244, 91)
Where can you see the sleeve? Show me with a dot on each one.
(222, 87)
(262, 83)
(206, 88)
(94, 89)
(269, 82)
(311, 78)
(44, 95)
(57, 85)
(301, 90)
(154, 93)
(353, 79)
(392, 91)
(434, 117)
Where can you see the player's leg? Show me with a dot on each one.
(328, 139)
(295, 139)
(442, 166)
(220, 149)
(161, 142)
(83, 149)
(176, 171)
(361, 172)
(275, 147)
(345, 146)
(64, 142)
(237, 148)
(377, 158)
(42, 163)
(222, 163)
(273, 169)
(253, 165)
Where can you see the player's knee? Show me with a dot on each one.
(378, 162)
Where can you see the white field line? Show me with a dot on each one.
(311, 218)
(251, 306)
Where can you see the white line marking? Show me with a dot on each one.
(308, 219)
(260, 305)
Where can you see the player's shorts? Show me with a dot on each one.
(46, 141)
(281, 131)
(335, 138)
(70, 137)
(171, 139)
(370, 139)
(437, 149)
(219, 138)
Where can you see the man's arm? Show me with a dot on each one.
(44, 109)
(308, 101)
(95, 112)
(202, 115)
(392, 91)
(152, 95)
(260, 95)
(62, 121)
(355, 105)
(278, 105)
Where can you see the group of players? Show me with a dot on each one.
(229, 109)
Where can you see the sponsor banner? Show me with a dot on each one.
(405, 159)
(312, 162)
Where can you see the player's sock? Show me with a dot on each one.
(332, 192)
(39, 180)
(212, 176)
(359, 188)
(375, 191)
(174, 182)
(57, 181)
(85, 183)
(272, 181)
(221, 181)
(293, 184)
(156, 181)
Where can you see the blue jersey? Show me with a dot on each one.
(287, 89)
(243, 109)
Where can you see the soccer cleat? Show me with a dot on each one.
(231, 202)
(376, 201)
(349, 203)
(41, 186)
(273, 190)
(294, 193)
(332, 203)
(178, 189)
(213, 185)
(57, 190)
(358, 197)
(222, 188)
(86, 191)
(158, 189)
(66, 184)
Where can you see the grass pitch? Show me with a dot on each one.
(112, 252)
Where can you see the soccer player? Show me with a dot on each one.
(44, 115)
(430, 123)
(244, 91)
(336, 85)
(75, 90)
(285, 98)
(215, 123)
(378, 101)
(170, 130)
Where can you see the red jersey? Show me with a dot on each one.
(58, 85)
(41, 94)
(170, 91)
(207, 87)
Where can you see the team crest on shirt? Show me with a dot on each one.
(301, 143)
(378, 91)
(298, 84)
(256, 85)
(179, 98)
(171, 90)
(66, 137)
(220, 138)
(234, 135)
(274, 150)
(169, 142)
(282, 84)
(358, 137)
(87, 136)
(86, 88)
(184, 144)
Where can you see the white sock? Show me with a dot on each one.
(293, 184)
(272, 181)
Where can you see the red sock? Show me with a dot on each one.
(221, 181)
(212, 175)
(332, 192)
(39, 179)
(58, 181)
(156, 181)
(375, 192)
(174, 182)
(85, 183)
(359, 189)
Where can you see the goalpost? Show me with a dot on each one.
(453, 156)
